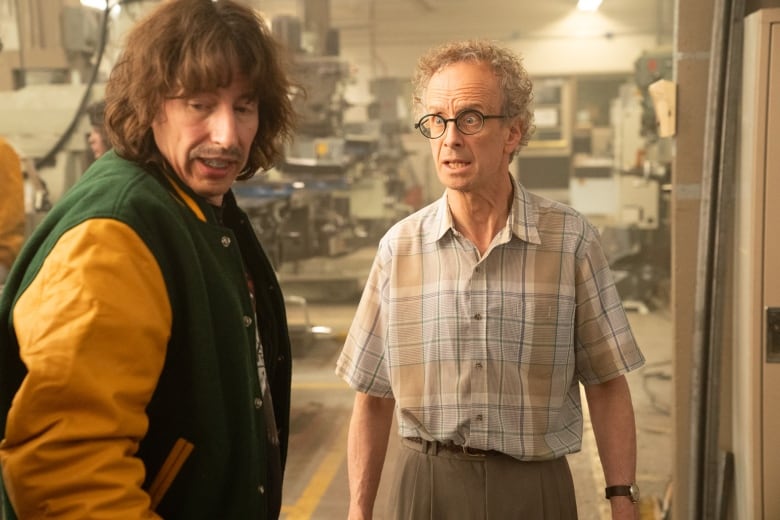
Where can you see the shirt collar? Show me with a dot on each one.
(443, 219)
(522, 216)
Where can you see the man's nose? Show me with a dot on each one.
(452, 135)
(223, 126)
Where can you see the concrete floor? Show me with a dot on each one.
(316, 477)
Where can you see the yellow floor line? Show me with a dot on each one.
(310, 498)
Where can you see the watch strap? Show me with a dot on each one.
(617, 491)
(631, 491)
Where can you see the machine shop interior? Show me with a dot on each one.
(613, 139)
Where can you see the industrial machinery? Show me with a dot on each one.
(48, 76)
(621, 184)
(341, 184)
(644, 181)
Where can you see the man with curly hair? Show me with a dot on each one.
(482, 315)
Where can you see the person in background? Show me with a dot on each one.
(482, 315)
(97, 139)
(12, 216)
(145, 361)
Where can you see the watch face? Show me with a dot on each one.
(634, 493)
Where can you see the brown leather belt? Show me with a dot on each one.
(434, 447)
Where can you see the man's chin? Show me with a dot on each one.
(213, 192)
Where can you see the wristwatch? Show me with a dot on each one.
(631, 491)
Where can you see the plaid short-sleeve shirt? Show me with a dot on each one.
(489, 351)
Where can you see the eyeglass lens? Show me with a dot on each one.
(468, 122)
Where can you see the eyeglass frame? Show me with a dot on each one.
(418, 125)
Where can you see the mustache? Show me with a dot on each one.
(231, 152)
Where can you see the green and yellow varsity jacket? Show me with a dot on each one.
(126, 326)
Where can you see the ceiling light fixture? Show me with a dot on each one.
(95, 4)
(588, 5)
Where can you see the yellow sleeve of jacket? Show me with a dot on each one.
(93, 328)
(11, 205)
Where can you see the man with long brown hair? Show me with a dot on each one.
(144, 355)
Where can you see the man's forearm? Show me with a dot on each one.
(612, 417)
(369, 429)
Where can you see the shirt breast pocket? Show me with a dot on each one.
(539, 329)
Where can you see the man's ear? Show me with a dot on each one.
(514, 136)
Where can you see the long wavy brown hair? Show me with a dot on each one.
(185, 47)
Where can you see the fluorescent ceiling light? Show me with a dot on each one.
(95, 4)
(582, 5)
(102, 5)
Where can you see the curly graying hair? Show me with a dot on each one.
(189, 46)
(515, 85)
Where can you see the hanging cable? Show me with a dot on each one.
(85, 98)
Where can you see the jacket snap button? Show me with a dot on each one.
(225, 241)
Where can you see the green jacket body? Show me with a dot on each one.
(128, 328)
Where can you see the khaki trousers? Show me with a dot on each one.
(436, 484)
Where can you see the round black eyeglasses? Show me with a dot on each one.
(469, 122)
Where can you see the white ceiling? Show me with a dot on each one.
(384, 37)
(427, 22)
